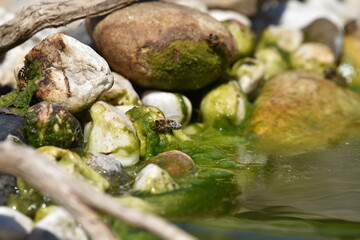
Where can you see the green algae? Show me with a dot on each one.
(19, 99)
(185, 65)
(152, 142)
(50, 124)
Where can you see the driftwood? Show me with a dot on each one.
(80, 199)
(52, 14)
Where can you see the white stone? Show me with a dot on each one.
(61, 224)
(170, 104)
(198, 5)
(223, 15)
(112, 133)
(300, 14)
(122, 93)
(75, 74)
(154, 179)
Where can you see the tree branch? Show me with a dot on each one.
(80, 199)
(52, 14)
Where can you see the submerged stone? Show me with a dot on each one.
(176, 163)
(297, 111)
(153, 179)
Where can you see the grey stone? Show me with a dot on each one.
(7, 186)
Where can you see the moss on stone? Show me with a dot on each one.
(185, 65)
(151, 141)
(19, 99)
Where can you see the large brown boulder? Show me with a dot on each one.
(164, 45)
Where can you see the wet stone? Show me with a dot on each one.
(11, 124)
(7, 187)
(14, 225)
(110, 168)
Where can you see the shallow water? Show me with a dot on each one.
(315, 195)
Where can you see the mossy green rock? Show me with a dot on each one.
(152, 141)
(50, 124)
(164, 46)
(298, 111)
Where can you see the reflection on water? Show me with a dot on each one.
(314, 196)
(316, 185)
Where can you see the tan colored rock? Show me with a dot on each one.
(298, 111)
(164, 46)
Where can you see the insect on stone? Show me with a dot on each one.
(164, 125)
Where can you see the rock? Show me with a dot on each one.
(11, 124)
(112, 133)
(286, 39)
(186, 52)
(224, 106)
(175, 106)
(246, 7)
(75, 165)
(298, 111)
(273, 61)
(153, 179)
(324, 31)
(58, 225)
(245, 38)
(176, 163)
(49, 124)
(14, 225)
(69, 73)
(108, 167)
(228, 15)
(196, 4)
(313, 57)
(7, 187)
(153, 130)
(121, 93)
(248, 72)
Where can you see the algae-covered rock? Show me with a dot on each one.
(112, 133)
(285, 39)
(73, 164)
(50, 124)
(154, 131)
(296, 111)
(223, 106)
(244, 37)
(153, 179)
(249, 72)
(273, 60)
(27, 199)
(176, 163)
(163, 45)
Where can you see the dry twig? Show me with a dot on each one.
(79, 199)
(52, 14)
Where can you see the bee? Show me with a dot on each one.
(165, 125)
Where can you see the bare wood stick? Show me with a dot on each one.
(52, 14)
(80, 199)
